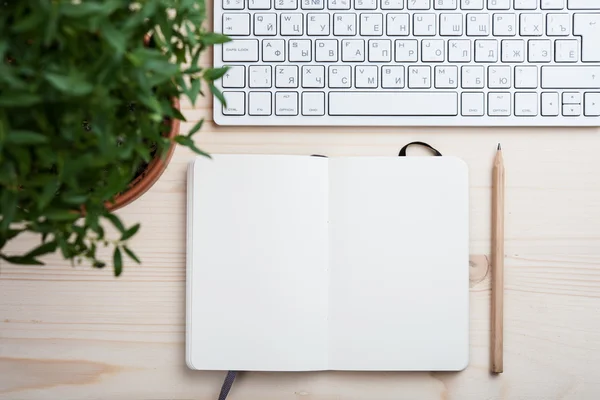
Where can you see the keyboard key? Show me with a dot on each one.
(393, 4)
(393, 103)
(340, 76)
(592, 104)
(498, 4)
(318, 24)
(553, 4)
(353, 50)
(326, 50)
(233, 4)
(433, 50)
(259, 76)
(273, 50)
(424, 24)
(572, 77)
(371, 24)
(406, 50)
(532, 24)
(235, 77)
(240, 50)
(486, 51)
(478, 24)
(558, 24)
(380, 50)
(566, 51)
(550, 104)
(259, 103)
(571, 110)
(526, 77)
(472, 104)
(419, 77)
(526, 4)
(526, 104)
(286, 103)
(344, 24)
(471, 4)
(446, 77)
(259, 4)
(540, 51)
(459, 51)
(445, 4)
(313, 103)
(583, 5)
(451, 24)
(291, 24)
(571, 98)
(365, 4)
(505, 24)
(588, 27)
(265, 24)
(392, 77)
(338, 4)
(499, 104)
(236, 24)
(472, 77)
(513, 51)
(313, 76)
(499, 77)
(286, 76)
(312, 4)
(365, 76)
(286, 4)
(235, 103)
(300, 50)
(419, 4)
(398, 24)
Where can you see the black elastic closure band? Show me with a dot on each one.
(403, 150)
(227, 384)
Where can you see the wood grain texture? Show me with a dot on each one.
(77, 333)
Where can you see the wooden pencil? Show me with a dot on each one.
(497, 364)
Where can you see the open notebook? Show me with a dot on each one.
(300, 263)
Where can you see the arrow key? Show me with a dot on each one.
(571, 110)
(592, 105)
(550, 104)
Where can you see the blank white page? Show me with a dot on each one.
(399, 279)
(257, 263)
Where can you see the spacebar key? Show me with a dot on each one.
(393, 103)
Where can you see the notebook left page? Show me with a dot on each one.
(257, 259)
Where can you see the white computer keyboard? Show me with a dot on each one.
(409, 62)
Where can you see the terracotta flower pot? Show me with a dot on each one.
(153, 171)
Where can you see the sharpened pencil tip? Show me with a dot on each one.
(499, 147)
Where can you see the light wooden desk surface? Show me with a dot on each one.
(81, 334)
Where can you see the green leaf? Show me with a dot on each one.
(23, 137)
(69, 84)
(212, 74)
(116, 221)
(74, 199)
(99, 264)
(62, 215)
(22, 260)
(209, 39)
(48, 193)
(130, 232)
(189, 143)
(44, 248)
(116, 39)
(81, 9)
(195, 128)
(117, 262)
(8, 201)
(131, 254)
(217, 93)
(19, 99)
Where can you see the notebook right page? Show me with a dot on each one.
(399, 264)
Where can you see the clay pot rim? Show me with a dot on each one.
(142, 183)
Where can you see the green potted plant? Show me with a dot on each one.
(89, 115)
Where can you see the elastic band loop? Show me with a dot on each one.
(403, 150)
